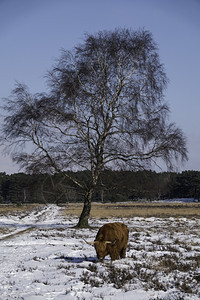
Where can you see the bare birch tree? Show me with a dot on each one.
(105, 108)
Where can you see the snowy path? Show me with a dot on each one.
(37, 218)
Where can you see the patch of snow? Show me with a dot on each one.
(43, 257)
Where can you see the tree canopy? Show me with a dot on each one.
(105, 108)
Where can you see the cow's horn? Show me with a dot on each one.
(108, 242)
(89, 243)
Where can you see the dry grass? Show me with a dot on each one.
(105, 210)
(101, 210)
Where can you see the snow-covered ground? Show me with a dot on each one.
(43, 257)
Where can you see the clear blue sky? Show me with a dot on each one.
(32, 33)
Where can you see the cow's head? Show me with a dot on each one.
(101, 248)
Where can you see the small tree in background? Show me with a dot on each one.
(105, 108)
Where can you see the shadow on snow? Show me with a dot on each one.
(77, 260)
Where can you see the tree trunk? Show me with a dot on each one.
(84, 217)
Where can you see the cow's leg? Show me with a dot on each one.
(123, 252)
(114, 257)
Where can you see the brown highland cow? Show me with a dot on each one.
(111, 239)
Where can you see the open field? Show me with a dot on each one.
(127, 209)
(42, 255)
(138, 209)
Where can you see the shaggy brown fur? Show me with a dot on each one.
(112, 239)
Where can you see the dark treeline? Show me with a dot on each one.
(114, 187)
